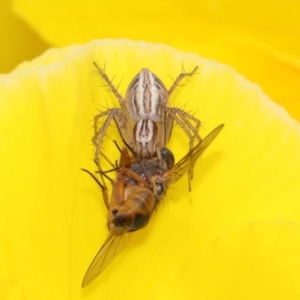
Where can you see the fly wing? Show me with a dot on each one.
(185, 164)
(113, 245)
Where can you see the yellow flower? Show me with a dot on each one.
(235, 236)
(18, 41)
(259, 39)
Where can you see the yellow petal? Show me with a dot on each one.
(260, 40)
(255, 260)
(12, 290)
(275, 70)
(52, 216)
(18, 41)
(162, 21)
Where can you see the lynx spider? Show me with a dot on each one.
(144, 120)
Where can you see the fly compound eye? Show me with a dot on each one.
(168, 157)
(120, 220)
(140, 221)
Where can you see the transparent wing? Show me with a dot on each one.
(185, 164)
(113, 245)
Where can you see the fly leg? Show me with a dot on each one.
(103, 188)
